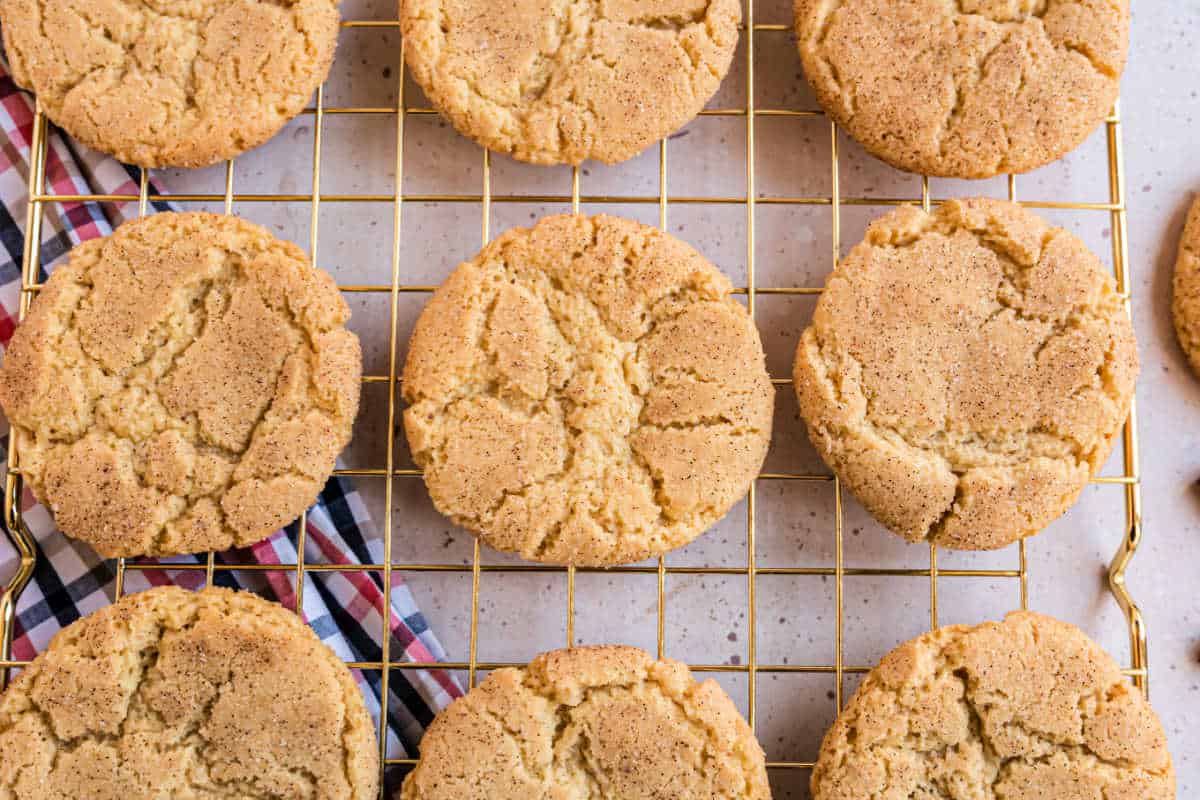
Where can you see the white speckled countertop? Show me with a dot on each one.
(706, 616)
(1162, 156)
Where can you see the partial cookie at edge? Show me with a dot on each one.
(558, 83)
(574, 721)
(190, 695)
(993, 87)
(1185, 302)
(1025, 708)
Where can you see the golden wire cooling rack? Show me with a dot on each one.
(1128, 482)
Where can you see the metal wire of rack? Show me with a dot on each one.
(1127, 482)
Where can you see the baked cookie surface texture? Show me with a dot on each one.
(965, 88)
(1185, 304)
(966, 372)
(586, 391)
(188, 695)
(605, 721)
(1023, 709)
(182, 385)
(557, 83)
(180, 83)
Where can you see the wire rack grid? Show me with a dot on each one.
(1128, 482)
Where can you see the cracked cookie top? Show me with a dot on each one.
(182, 385)
(966, 372)
(587, 392)
(1186, 290)
(605, 721)
(189, 695)
(558, 82)
(965, 88)
(1021, 709)
(182, 83)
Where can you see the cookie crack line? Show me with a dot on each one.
(645, 678)
(148, 661)
(431, 456)
(924, 446)
(562, 21)
(1083, 49)
(484, 387)
(1038, 12)
(156, 389)
(961, 92)
(512, 735)
(999, 766)
(99, 27)
(824, 25)
(1058, 745)
(567, 36)
(584, 763)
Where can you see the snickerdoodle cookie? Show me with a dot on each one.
(966, 372)
(189, 695)
(605, 721)
(1186, 301)
(171, 82)
(587, 391)
(558, 83)
(965, 88)
(1021, 709)
(182, 385)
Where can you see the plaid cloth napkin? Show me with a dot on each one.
(344, 608)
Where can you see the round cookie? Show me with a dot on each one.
(966, 372)
(171, 83)
(182, 385)
(605, 721)
(1021, 709)
(190, 695)
(588, 392)
(965, 89)
(1185, 302)
(554, 83)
